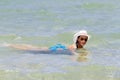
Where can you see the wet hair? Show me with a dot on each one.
(77, 43)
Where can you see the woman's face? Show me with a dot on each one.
(82, 40)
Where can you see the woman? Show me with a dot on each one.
(80, 39)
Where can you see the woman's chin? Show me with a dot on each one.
(82, 45)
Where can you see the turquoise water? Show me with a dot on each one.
(45, 23)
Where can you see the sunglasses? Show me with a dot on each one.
(83, 39)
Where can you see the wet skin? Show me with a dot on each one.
(82, 41)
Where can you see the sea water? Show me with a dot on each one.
(45, 23)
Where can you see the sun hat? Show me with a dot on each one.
(81, 32)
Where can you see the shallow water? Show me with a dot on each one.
(46, 23)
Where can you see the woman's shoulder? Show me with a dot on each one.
(72, 47)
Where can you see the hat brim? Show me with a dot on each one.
(75, 37)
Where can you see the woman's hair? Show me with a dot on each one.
(77, 43)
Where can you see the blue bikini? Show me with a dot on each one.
(57, 46)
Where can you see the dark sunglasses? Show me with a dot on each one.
(83, 39)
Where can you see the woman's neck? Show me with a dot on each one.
(79, 46)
